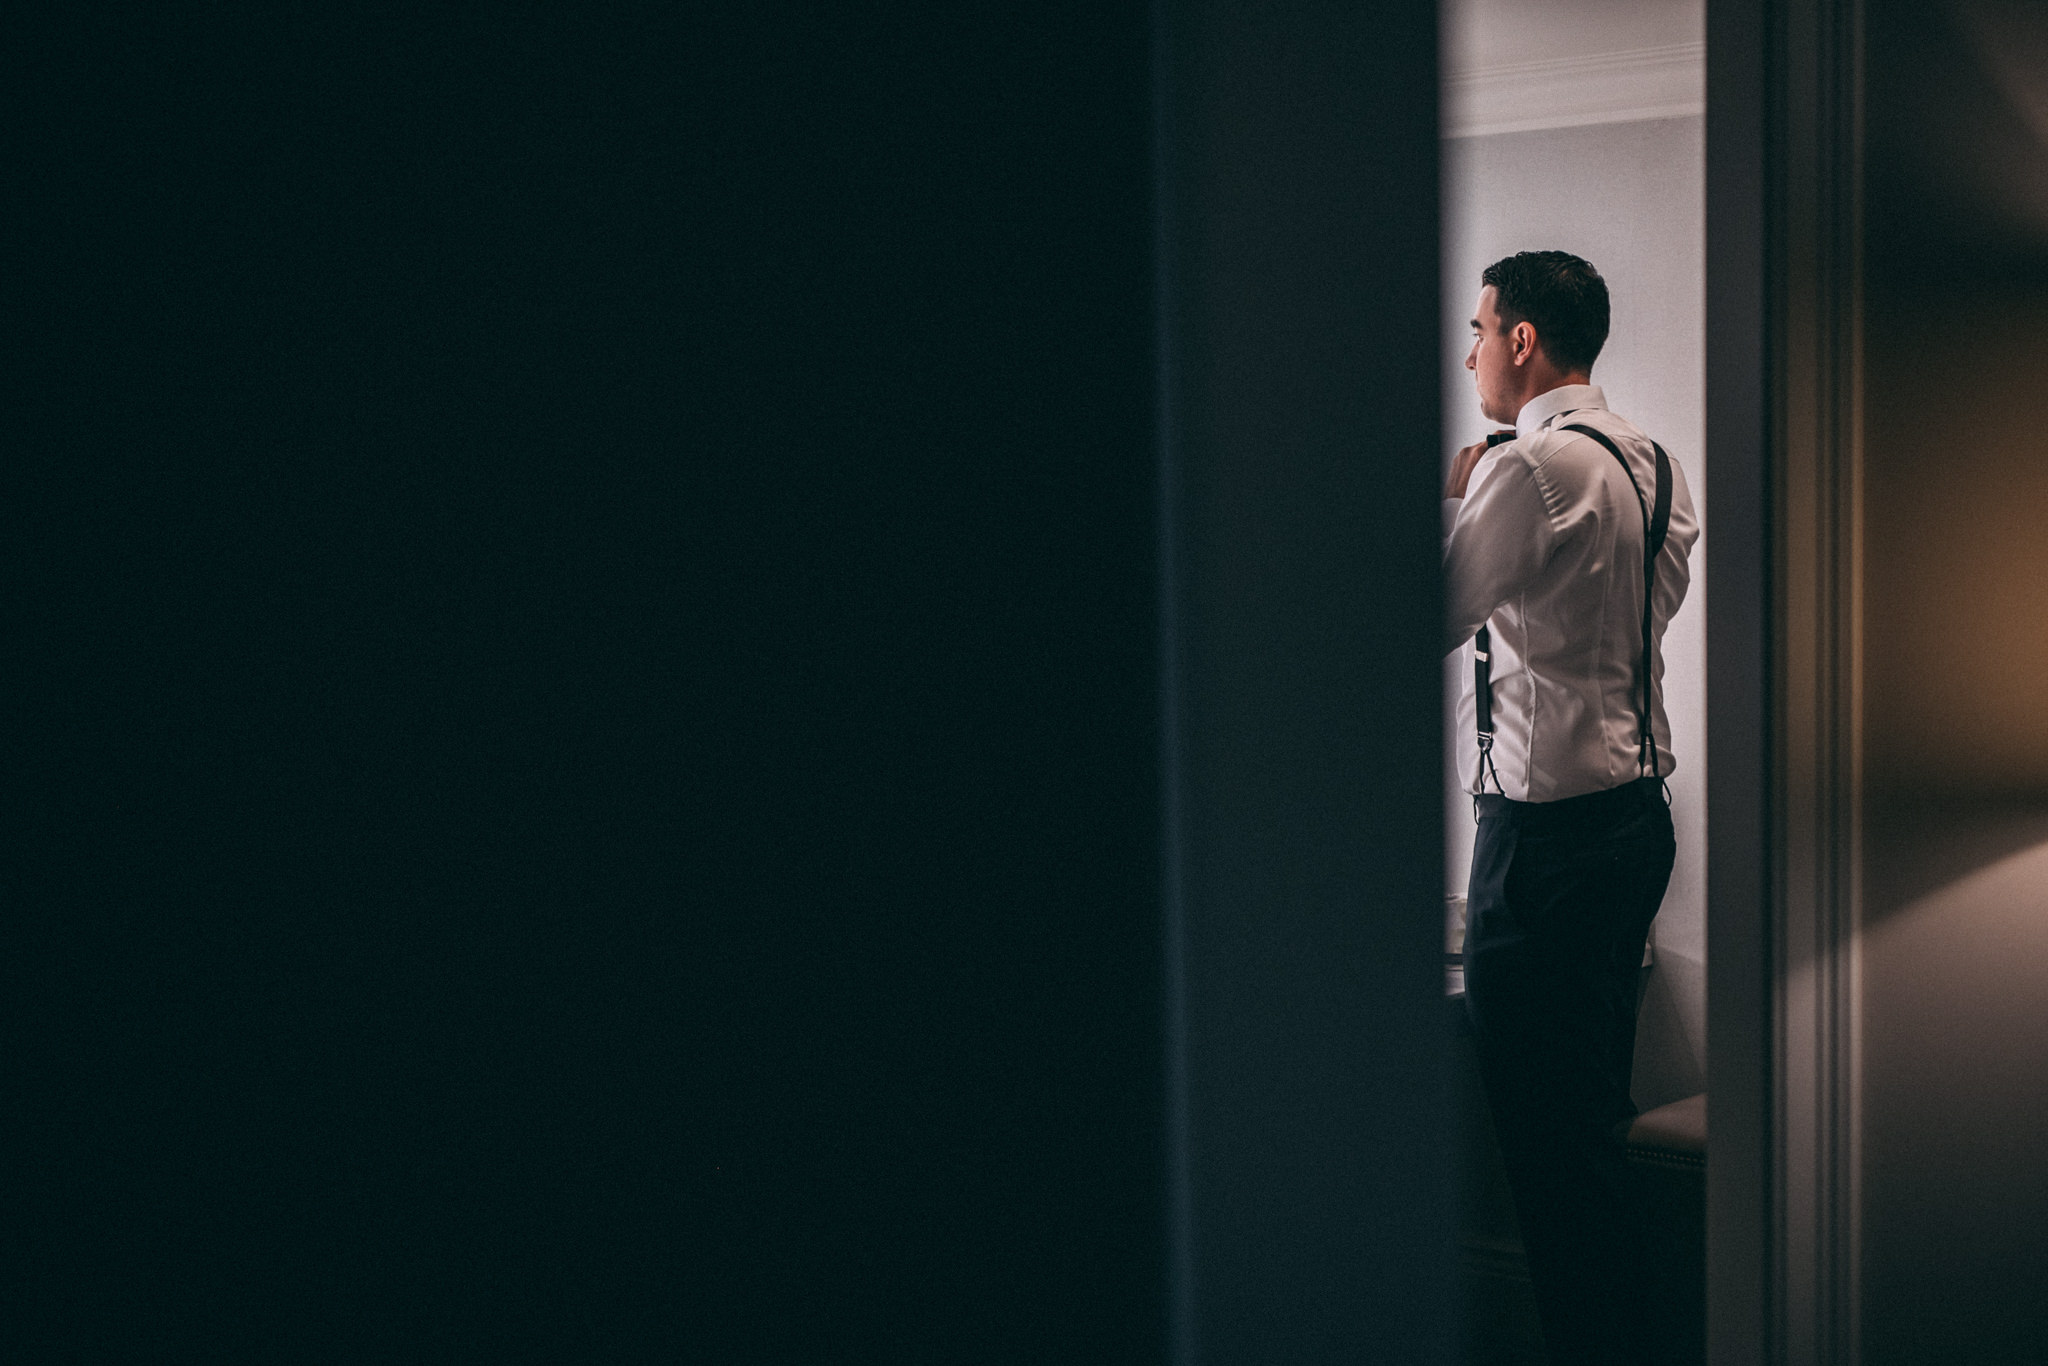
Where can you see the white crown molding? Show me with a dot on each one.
(1570, 92)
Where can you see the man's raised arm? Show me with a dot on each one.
(1499, 540)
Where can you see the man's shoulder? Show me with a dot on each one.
(1558, 441)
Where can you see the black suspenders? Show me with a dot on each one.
(1482, 678)
(1656, 524)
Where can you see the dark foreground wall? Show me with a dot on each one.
(604, 702)
(1312, 1168)
(591, 659)
(1956, 577)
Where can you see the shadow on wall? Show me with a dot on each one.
(1955, 938)
(1956, 989)
(1956, 536)
(1955, 454)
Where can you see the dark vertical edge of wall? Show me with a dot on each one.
(1179, 1240)
(1739, 1069)
(1299, 261)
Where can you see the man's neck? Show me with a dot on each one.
(1543, 384)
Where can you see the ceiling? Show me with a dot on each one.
(1513, 66)
(1478, 34)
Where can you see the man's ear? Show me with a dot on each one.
(1525, 343)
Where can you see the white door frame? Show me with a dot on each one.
(1784, 480)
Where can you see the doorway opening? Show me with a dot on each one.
(1579, 125)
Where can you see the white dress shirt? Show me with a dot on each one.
(1546, 551)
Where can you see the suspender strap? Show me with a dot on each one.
(1656, 524)
(1482, 676)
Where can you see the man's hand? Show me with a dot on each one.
(1461, 466)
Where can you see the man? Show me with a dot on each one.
(1565, 753)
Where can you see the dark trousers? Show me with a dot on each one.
(1561, 899)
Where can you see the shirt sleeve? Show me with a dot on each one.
(1499, 541)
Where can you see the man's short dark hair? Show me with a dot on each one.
(1558, 294)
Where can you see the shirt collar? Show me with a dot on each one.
(1565, 398)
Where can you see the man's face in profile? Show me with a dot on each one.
(1491, 360)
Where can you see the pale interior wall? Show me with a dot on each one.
(1495, 33)
(1630, 198)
